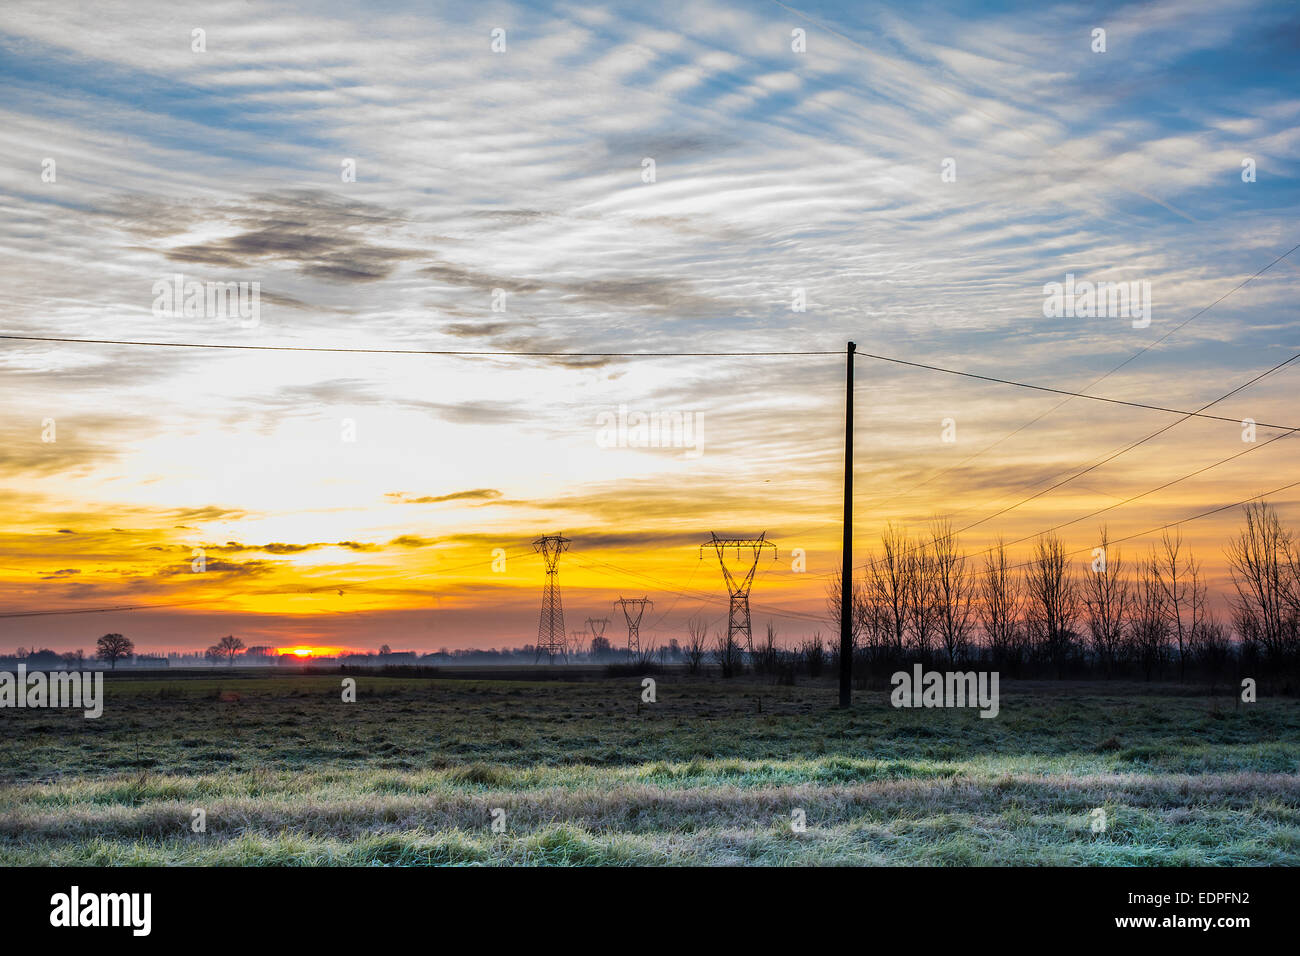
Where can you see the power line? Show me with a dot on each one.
(479, 353)
(1140, 352)
(1122, 451)
(1058, 391)
(1132, 498)
(1141, 441)
(1167, 484)
(482, 353)
(1172, 524)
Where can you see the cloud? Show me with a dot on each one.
(412, 541)
(243, 569)
(317, 235)
(776, 173)
(279, 547)
(474, 494)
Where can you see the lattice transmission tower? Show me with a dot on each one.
(597, 627)
(633, 610)
(550, 626)
(738, 588)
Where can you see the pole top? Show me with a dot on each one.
(853, 346)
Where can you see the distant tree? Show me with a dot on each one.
(1263, 566)
(890, 589)
(728, 654)
(1053, 602)
(1106, 605)
(1211, 647)
(954, 591)
(695, 645)
(814, 654)
(1000, 606)
(922, 584)
(228, 647)
(384, 650)
(1149, 619)
(1179, 580)
(113, 648)
(600, 647)
(835, 604)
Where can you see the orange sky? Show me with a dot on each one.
(644, 182)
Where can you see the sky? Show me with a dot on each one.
(669, 177)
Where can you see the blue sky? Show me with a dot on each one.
(775, 170)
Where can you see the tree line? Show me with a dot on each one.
(922, 598)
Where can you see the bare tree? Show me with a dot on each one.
(1149, 620)
(814, 654)
(888, 587)
(1106, 599)
(1052, 608)
(113, 648)
(922, 600)
(766, 655)
(228, 647)
(1262, 563)
(695, 645)
(1179, 574)
(1000, 606)
(954, 591)
(1211, 647)
(727, 654)
(834, 606)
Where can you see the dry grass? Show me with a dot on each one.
(412, 773)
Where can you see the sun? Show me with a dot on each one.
(304, 652)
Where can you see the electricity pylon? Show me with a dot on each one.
(633, 609)
(577, 641)
(738, 588)
(597, 626)
(550, 626)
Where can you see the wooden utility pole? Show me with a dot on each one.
(846, 576)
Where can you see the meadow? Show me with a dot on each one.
(714, 772)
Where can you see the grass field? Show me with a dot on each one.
(709, 774)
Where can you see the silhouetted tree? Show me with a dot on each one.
(228, 647)
(1149, 621)
(1263, 564)
(113, 648)
(1106, 603)
(954, 590)
(1000, 607)
(1053, 602)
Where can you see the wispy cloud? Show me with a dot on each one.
(504, 201)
